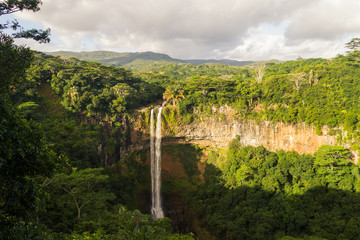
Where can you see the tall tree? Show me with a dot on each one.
(23, 154)
(83, 188)
(174, 95)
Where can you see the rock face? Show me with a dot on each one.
(220, 127)
(219, 132)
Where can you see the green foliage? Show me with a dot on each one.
(103, 94)
(8, 6)
(28, 109)
(283, 195)
(354, 44)
(23, 153)
(77, 141)
(333, 167)
(87, 207)
(126, 59)
(132, 225)
(141, 61)
(315, 91)
(173, 95)
(188, 155)
(85, 190)
(19, 229)
(170, 119)
(257, 194)
(14, 61)
(92, 88)
(126, 177)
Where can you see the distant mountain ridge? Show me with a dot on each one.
(123, 59)
(226, 61)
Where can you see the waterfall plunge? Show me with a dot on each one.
(155, 154)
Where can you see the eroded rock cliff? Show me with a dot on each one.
(222, 125)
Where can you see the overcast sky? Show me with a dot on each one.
(234, 29)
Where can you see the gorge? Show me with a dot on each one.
(211, 133)
(241, 158)
(223, 125)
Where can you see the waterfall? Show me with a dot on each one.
(152, 157)
(155, 154)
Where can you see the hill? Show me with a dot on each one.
(221, 61)
(115, 58)
(131, 60)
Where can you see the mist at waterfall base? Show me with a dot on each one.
(155, 153)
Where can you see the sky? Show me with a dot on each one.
(192, 29)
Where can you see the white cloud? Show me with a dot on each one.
(240, 29)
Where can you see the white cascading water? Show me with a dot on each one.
(155, 154)
(152, 157)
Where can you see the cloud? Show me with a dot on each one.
(327, 20)
(254, 29)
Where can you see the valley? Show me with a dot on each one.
(182, 125)
(242, 156)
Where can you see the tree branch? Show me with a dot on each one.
(76, 202)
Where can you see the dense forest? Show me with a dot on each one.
(318, 92)
(279, 195)
(58, 111)
(52, 183)
(64, 123)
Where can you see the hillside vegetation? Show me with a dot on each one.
(116, 59)
(65, 122)
(136, 60)
(54, 118)
(315, 91)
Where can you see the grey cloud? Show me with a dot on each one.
(187, 19)
(184, 28)
(326, 20)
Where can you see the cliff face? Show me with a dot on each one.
(219, 128)
(219, 132)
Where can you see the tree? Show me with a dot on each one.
(14, 61)
(23, 154)
(83, 188)
(333, 168)
(298, 79)
(173, 94)
(331, 156)
(354, 44)
(259, 73)
(12, 6)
